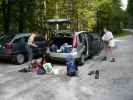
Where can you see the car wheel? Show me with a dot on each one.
(20, 58)
(82, 59)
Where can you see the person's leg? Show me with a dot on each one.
(110, 51)
(111, 54)
(30, 55)
(105, 51)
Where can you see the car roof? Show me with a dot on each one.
(79, 32)
(69, 32)
(18, 35)
(21, 34)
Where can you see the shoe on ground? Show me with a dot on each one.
(113, 60)
(97, 74)
(104, 59)
(29, 68)
(91, 72)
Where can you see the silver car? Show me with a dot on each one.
(80, 45)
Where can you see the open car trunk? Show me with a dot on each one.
(61, 45)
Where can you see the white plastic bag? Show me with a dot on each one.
(112, 43)
(55, 71)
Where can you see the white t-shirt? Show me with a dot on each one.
(107, 36)
(30, 40)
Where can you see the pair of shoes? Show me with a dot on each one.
(112, 60)
(96, 73)
(91, 72)
(104, 58)
(24, 70)
(29, 67)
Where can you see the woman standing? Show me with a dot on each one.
(108, 38)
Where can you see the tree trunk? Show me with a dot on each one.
(6, 15)
(21, 17)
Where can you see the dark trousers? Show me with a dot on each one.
(30, 53)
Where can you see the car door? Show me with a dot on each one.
(87, 44)
(18, 46)
(24, 41)
(40, 42)
(81, 43)
(95, 43)
(99, 43)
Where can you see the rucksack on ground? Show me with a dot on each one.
(71, 69)
(41, 71)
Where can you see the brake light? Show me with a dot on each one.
(74, 42)
(7, 46)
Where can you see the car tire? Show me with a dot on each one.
(82, 59)
(19, 59)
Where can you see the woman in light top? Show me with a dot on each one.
(108, 39)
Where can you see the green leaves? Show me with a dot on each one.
(86, 14)
(110, 15)
(130, 7)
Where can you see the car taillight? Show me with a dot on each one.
(75, 41)
(7, 46)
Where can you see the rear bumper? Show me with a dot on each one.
(62, 56)
(61, 59)
(5, 56)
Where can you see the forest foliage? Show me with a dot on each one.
(91, 15)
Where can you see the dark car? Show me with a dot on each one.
(14, 47)
(62, 45)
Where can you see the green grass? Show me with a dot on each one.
(123, 33)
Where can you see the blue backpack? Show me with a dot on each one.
(71, 68)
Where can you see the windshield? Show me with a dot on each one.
(5, 38)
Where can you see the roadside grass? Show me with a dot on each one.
(123, 33)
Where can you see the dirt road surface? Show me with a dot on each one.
(115, 79)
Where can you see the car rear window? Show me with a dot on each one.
(61, 40)
(5, 38)
(64, 34)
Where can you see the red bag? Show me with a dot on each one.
(35, 66)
